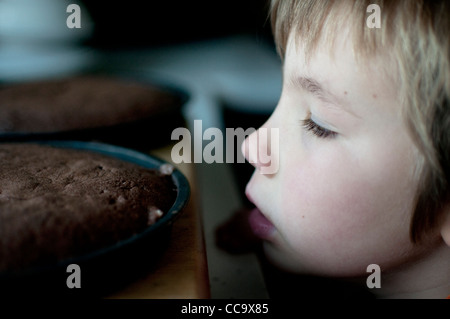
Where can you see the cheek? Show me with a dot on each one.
(325, 202)
(344, 210)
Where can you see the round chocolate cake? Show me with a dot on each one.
(79, 103)
(58, 203)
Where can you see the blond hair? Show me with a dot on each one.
(415, 34)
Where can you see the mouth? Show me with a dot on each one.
(260, 225)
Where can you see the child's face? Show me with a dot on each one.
(343, 200)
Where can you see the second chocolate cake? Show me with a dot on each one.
(92, 107)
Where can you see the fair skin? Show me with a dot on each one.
(343, 200)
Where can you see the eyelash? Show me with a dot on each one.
(317, 130)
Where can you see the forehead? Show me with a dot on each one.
(349, 77)
(323, 61)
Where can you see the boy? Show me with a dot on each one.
(363, 119)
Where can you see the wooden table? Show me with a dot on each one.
(182, 271)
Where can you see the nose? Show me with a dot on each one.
(261, 149)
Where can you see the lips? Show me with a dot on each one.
(260, 225)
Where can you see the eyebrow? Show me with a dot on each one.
(314, 87)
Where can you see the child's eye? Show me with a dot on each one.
(317, 130)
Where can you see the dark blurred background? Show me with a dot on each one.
(140, 24)
(153, 24)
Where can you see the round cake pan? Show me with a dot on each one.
(108, 269)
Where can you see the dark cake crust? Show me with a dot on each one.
(59, 203)
(80, 103)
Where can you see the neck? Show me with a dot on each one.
(426, 278)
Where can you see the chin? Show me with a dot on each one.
(281, 259)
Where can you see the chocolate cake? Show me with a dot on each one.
(81, 103)
(58, 203)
